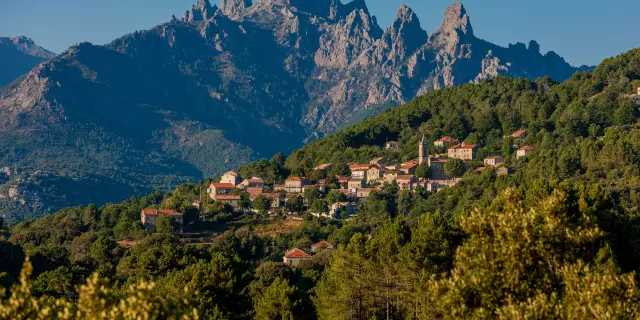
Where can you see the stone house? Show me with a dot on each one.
(407, 182)
(253, 182)
(409, 167)
(294, 256)
(326, 167)
(380, 162)
(493, 161)
(374, 174)
(463, 151)
(503, 171)
(218, 188)
(356, 183)
(445, 142)
(148, 218)
(229, 199)
(519, 135)
(364, 193)
(344, 182)
(322, 245)
(349, 207)
(391, 145)
(390, 175)
(524, 151)
(231, 177)
(359, 170)
(294, 184)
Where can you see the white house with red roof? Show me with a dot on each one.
(322, 245)
(148, 218)
(359, 170)
(294, 256)
(219, 188)
(524, 151)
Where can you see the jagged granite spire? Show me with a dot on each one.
(456, 20)
(406, 32)
(202, 10)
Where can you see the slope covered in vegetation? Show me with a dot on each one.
(557, 239)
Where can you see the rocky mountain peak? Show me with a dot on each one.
(456, 20)
(234, 8)
(202, 10)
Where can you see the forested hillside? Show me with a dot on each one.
(556, 239)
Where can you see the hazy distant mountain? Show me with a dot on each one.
(222, 86)
(18, 55)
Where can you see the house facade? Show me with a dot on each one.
(294, 184)
(231, 177)
(294, 256)
(148, 218)
(356, 183)
(391, 145)
(322, 245)
(359, 170)
(219, 188)
(232, 200)
(463, 151)
(253, 182)
(374, 174)
(524, 151)
(493, 161)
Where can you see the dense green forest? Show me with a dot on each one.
(557, 239)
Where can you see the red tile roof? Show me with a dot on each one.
(409, 165)
(323, 166)
(447, 139)
(343, 178)
(223, 185)
(255, 180)
(466, 146)
(294, 179)
(518, 133)
(296, 253)
(322, 244)
(233, 173)
(527, 148)
(154, 212)
(360, 166)
(480, 169)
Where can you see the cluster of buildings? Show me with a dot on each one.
(364, 178)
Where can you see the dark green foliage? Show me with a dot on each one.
(454, 168)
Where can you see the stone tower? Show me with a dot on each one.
(423, 151)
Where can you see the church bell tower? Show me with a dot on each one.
(423, 151)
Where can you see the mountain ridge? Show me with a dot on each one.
(226, 85)
(19, 55)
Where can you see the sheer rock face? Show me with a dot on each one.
(239, 82)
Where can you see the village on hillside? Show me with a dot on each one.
(339, 196)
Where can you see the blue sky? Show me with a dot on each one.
(584, 32)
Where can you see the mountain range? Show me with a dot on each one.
(222, 86)
(19, 55)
